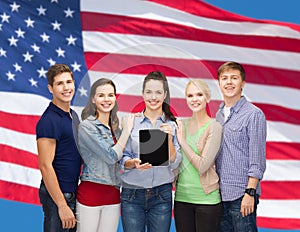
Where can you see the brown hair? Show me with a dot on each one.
(56, 69)
(91, 109)
(231, 65)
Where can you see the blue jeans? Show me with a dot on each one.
(147, 208)
(232, 220)
(52, 222)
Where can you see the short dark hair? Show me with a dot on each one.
(231, 65)
(56, 69)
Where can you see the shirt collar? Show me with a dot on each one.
(236, 107)
(58, 110)
(162, 117)
(95, 121)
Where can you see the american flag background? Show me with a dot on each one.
(124, 40)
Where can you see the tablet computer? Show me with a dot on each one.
(154, 147)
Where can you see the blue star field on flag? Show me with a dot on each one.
(35, 36)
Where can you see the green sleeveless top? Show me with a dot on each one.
(188, 187)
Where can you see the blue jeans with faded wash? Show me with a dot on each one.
(52, 222)
(147, 208)
(232, 220)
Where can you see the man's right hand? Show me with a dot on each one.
(67, 217)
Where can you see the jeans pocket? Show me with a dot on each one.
(71, 200)
(127, 194)
(165, 195)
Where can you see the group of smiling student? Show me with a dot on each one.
(215, 164)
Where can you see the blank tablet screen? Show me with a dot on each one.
(154, 147)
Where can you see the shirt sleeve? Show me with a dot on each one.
(257, 145)
(178, 158)
(211, 145)
(47, 128)
(127, 153)
(208, 145)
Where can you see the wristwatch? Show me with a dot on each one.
(250, 191)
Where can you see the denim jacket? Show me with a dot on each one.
(99, 153)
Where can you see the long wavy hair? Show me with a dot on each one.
(91, 109)
(159, 76)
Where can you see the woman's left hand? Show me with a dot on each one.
(167, 128)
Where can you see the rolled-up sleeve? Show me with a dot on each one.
(257, 132)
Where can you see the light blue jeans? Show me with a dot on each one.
(147, 208)
(232, 220)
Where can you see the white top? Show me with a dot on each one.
(226, 112)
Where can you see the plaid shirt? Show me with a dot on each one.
(243, 149)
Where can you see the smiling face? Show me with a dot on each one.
(62, 89)
(104, 98)
(231, 85)
(154, 95)
(196, 98)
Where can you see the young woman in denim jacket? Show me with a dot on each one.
(98, 199)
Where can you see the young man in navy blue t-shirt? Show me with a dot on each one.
(59, 158)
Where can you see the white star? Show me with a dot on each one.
(76, 67)
(2, 52)
(5, 17)
(35, 48)
(45, 37)
(42, 72)
(56, 25)
(54, 1)
(60, 52)
(83, 91)
(14, 7)
(18, 68)
(12, 41)
(32, 82)
(20, 33)
(69, 12)
(10, 76)
(51, 62)
(71, 40)
(29, 22)
(41, 10)
(27, 57)
(0, 27)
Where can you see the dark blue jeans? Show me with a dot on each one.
(52, 222)
(147, 208)
(232, 220)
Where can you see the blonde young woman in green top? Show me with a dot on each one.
(197, 204)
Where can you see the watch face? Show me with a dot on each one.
(251, 191)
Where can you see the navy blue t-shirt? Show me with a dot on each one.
(57, 124)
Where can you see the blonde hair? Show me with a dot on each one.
(202, 85)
